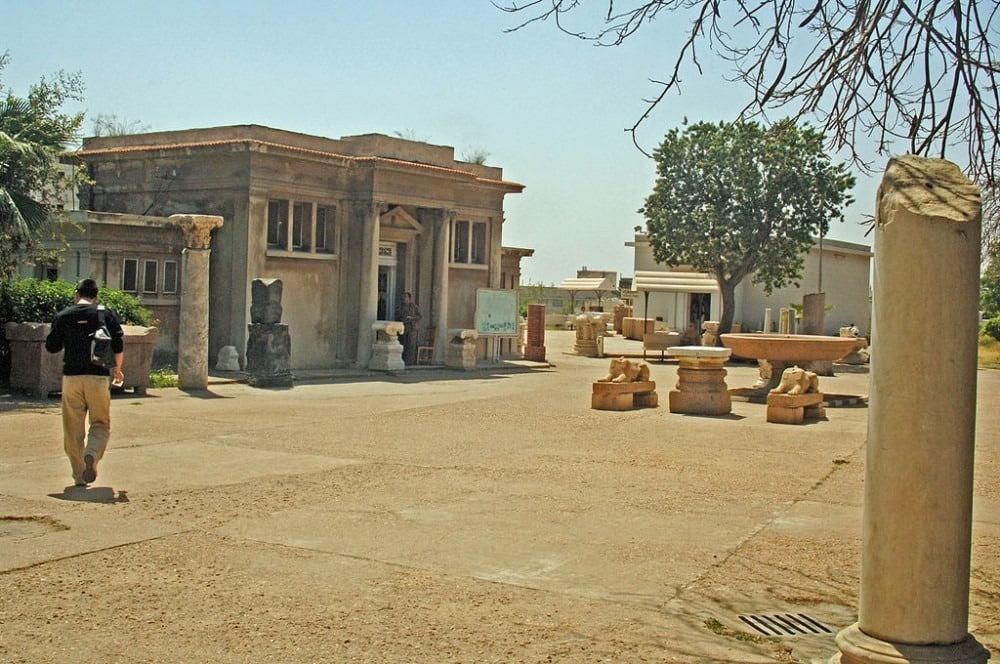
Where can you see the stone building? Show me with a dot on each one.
(347, 224)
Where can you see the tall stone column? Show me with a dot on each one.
(192, 333)
(442, 261)
(494, 344)
(368, 288)
(917, 530)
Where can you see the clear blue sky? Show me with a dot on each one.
(549, 109)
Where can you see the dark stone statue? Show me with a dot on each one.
(269, 345)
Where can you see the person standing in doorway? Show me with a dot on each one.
(86, 391)
(409, 313)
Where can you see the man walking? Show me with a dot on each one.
(85, 388)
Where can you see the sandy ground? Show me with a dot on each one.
(441, 516)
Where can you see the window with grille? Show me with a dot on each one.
(301, 226)
(130, 275)
(169, 277)
(469, 244)
(149, 276)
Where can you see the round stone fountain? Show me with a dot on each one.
(785, 350)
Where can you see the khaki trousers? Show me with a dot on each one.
(83, 396)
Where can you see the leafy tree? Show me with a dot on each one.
(33, 133)
(920, 72)
(989, 290)
(991, 222)
(737, 199)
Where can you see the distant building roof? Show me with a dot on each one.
(587, 284)
(674, 282)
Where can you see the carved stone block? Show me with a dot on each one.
(265, 301)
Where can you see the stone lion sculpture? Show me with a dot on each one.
(626, 371)
(796, 380)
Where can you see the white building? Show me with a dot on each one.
(681, 297)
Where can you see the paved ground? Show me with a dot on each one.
(441, 516)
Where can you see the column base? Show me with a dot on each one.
(856, 647)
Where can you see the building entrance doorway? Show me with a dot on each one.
(699, 309)
(386, 281)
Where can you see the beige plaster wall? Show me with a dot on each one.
(846, 283)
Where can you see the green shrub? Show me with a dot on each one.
(163, 377)
(31, 300)
(127, 308)
(35, 300)
(992, 327)
(38, 301)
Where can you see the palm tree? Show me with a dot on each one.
(20, 213)
(34, 132)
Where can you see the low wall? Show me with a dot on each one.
(36, 371)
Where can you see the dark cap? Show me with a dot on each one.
(87, 288)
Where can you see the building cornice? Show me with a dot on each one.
(258, 145)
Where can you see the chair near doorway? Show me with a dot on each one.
(425, 349)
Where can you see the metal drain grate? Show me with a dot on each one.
(784, 624)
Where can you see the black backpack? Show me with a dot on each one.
(101, 354)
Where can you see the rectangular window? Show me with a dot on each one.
(169, 277)
(478, 251)
(460, 241)
(325, 235)
(130, 275)
(301, 225)
(149, 275)
(277, 224)
(469, 243)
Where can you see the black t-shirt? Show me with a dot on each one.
(71, 330)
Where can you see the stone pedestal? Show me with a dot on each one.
(624, 396)
(461, 351)
(137, 360)
(701, 381)
(387, 352)
(534, 347)
(33, 370)
(917, 528)
(794, 408)
(269, 353)
(589, 328)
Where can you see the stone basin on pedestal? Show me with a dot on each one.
(785, 350)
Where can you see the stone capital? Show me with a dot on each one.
(197, 228)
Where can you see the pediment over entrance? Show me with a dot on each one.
(399, 218)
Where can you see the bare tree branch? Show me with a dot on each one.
(916, 73)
